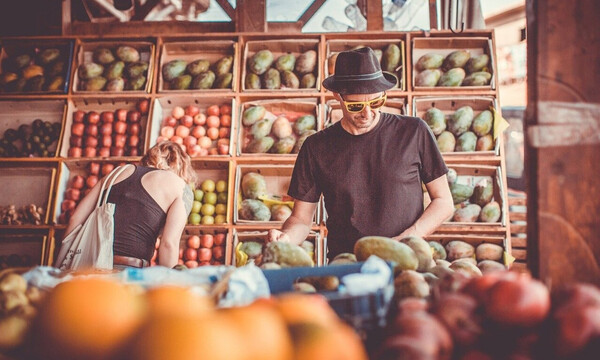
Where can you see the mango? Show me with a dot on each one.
(466, 268)
(441, 271)
(437, 251)
(446, 142)
(457, 249)
(378, 54)
(7, 77)
(197, 67)
(322, 283)
(390, 58)
(47, 56)
(286, 255)
(302, 287)
(486, 251)
(32, 70)
(280, 212)
(482, 123)
(429, 61)
(116, 84)
(114, 70)
(466, 142)
(422, 250)
(252, 81)
(20, 61)
(204, 80)
(289, 80)
(254, 185)
(461, 120)
(261, 128)
(136, 69)
(252, 248)
(483, 192)
(285, 62)
(491, 212)
(387, 249)
(223, 81)
(487, 266)
(253, 114)
(308, 81)
(136, 83)
(173, 69)
(452, 176)
(485, 143)
(436, 120)
(477, 63)
(95, 84)
(254, 210)
(428, 78)
(470, 260)
(452, 77)
(56, 83)
(306, 62)
(260, 62)
(271, 79)
(35, 84)
(301, 140)
(469, 213)
(480, 78)
(127, 54)
(284, 145)
(444, 263)
(331, 62)
(56, 68)
(456, 59)
(460, 192)
(89, 70)
(181, 82)
(410, 283)
(343, 258)
(223, 65)
(304, 123)
(261, 145)
(103, 56)
(282, 127)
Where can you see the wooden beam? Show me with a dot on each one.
(251, 16)
(226, 6)
(374, 13)
(433, 15)
(310, 11)
(66, 17)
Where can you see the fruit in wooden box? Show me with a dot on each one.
(178, 74)
(113, 69)
(285, 72)
(30, 140)
(34, 70)
(390, 250)
(458, 68)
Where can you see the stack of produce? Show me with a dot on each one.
(35, 71)
(254, 194)
(199, 132)
(389, 57)
(202, 250)
(113, 69)
(284, 72)
(31, 140)
(276, 133)
(199, 74)
(463, 130)
(210, 203)
(108, 133)
(28, 214)
(473, 203)
(458, 68)
(274, 255)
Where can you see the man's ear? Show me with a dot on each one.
(337, 96)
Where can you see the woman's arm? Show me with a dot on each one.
(168, 251)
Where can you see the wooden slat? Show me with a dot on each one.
(519, 254)
(519, 266)
(518, 229)
(518, 242)
(517, 216)
(251, 15)
(226, 6)
(517, 201)
(310, 12)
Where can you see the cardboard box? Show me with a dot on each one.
(335, 114)
(337, 45)
(14, 113)
(163, 106)
(22, 250)
(212, 50)
(12, 48)
(278, 48)
(444, 46)
(448, 105)
(85, 54)
(291, 109)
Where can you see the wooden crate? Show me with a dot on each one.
(14, 113)
(33, 46)
(22, 250)
(289, 108)
(261, 235)
(211, 50)
(334, 113)
(189, 231)
(444, 46)
(278, 48)
(162, 107)
(85, 53)
(475, 239)
(214, 170)
(99, 105)
(337, 45)
(448, 105)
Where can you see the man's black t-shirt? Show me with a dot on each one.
(371, 182)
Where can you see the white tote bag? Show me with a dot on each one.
(90, 245)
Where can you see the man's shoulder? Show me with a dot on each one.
(403, 120)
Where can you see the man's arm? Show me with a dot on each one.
(296, 228)
(440, 209)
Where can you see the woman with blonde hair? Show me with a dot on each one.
(150, 200)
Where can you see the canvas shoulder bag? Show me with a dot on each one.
(90, 245)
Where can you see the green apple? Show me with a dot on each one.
(222, 198)
(208, 186)
(221, 186)
(198, 195)
(194, 219)
(208, 220)
(221, 209)
(196, 206)
(207, 210)
(220, 219)
(210, 198)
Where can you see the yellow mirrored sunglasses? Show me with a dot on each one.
(358, 106)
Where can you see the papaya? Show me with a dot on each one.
(390, 58)
(387, 249)
(485, 143)
(203, 80)
(446, 142)
(173, 69)
(252, 81)
(127, 54)
(261, 145)
(271, 79)
(482, 123)
(429, 61)
(469, 213)
(254, 210)
(483, 192)
(197, 67)
(289, 80)
(260, 62)
(306, 62)
(466, 142)
(487, 266)
(304, 123)
(253, 114)
(477, 63)
(286, 254)
(429, 77)
(452, 77)
(486, 251)
(282, 127)
(438, 251)
(456, 59)
(301, 140)
(422, 249)
(284, 145)
(261, 128)
(308, 81)
(285, 62)
(223, 65)
(491, 212)
(253, 185)
(436, 120)
(457, 249)
(460, 192)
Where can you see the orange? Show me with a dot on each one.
(301, 308)
(177, 301)
(88, 318)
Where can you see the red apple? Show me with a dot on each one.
(190, 264)
(187, 121)
(198, 131)
(224, 132)
(106, 128)
(77, 182)
(93, 118)
(133, 141)
(104, 151)
(194, 150)
(190, 254)
(223, 149)
(218, 252)
(67, 204)
(89, 151)
(207, 240)
(106, 141)
(167, 132)
(121, 114)
(170, 121)
(225, 109)
(200, 119)
(92, 130)
(75, 140)
(177, 139)
(219, 239)
(182, 131)
(204, 254)
(133, 151)
(177, 112)
(91, 181)
(213, 151)
(78, 116)
(119, 140)
(74, 152)
(72, 194)
(107, 168)
(116, 151)
(77, 129)
(192, 110)
(107, 117)
(189, 141)
(120, 127)
(91, 141)
(133, 129)
(143, 106)
(94, 168)
(134, 116)
(204, 263)
(193, 242)
(213, 110)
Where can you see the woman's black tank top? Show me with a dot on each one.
(138, 218)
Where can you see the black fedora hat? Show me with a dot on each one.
(358, 72)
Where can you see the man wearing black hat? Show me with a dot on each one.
(369, 166)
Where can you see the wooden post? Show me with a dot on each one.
(563, 142)
(251, 16)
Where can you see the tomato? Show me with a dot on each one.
(213, 110)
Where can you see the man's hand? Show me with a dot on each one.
(277, 235)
